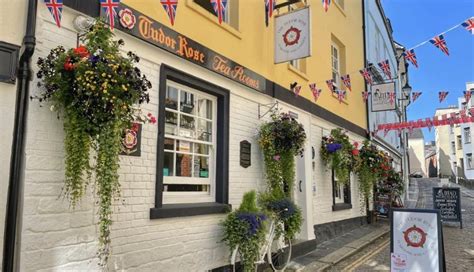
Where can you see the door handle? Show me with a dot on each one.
(300, 186)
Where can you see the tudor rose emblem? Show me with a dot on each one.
(415, 236)
(127, 18)
(291, 36)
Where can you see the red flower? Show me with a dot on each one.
(153, 120)
(81, 51)
(355, 152)
(68, 66)
(135, 127)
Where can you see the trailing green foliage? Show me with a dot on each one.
(370, 161)
(96, 90)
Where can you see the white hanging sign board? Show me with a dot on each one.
(293, 35)
(416, 240)
(381, 100)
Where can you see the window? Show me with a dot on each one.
(467, 135)
(340, 3)
(192, 157)
(458, 138)
(341, 195)
(231, 16)
(299, 64)
(335, 65)
(451, 129)
(453, 148)
(469, 161)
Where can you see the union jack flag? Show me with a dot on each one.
(315, 91)
(429, 123)
(326, 4)
(341, 94)
(330, 84)
(391, 97)
(442, 96)
(297, 90)
(55, 7)
(219, 7)
(365, 96)
(170, 7)
(269, 8)
(415, 95)
(385, 66)
(109, 7)
(467, 95)
(440, 42)
(469, 25)
(367, 76)
(347, 81)
(410, 56)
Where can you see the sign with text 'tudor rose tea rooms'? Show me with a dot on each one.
(293, 35)
(416, 241)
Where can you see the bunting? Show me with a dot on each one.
(411, 57)
(326, 4)
(109, 7)
(347, 81)
(367, 76)
(442, 96)
(297, 90)
(415, 96)
(330, 84)
(469, 25)
(170, 7)
(219, 7)
(269, 8)
(391, 97)
(315, 91)
(385, 66)
(440, 43)
(55, 7)
(341, 94)
(467, 95)
(365, 96)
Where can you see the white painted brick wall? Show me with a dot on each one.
(54, 238)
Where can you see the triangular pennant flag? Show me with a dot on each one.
(411, 57)
(109, 7)
(341, 94)
(442, 96)
(330, 84)
(429, 123)
(297, 90)
(415, 96)
(385, 66)
(365, 96)
(269, 8)
(469, 25)
(347, 81)
(391, 97)
(440, 43)
(219, 7)
(467, 95)
(170, 7)
(315, 91)
(55, 7)
(326, 4)
(367, 76)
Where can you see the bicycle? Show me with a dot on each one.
(277, 250)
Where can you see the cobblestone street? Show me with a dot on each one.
(459, 243)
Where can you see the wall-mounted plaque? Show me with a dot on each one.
(132, 140)
(8, 62)
(245, 149)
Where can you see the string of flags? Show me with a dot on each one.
(453, 118)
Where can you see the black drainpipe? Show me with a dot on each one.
(24, 76)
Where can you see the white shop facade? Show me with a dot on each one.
(189, 170)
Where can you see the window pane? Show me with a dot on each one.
(171, 123)
(171, 98)
(187, 103)
(205, 108)
(168, 169)
(186, 188)
(201, 167)
(187, 125)
(201, 148)
(184, 146)
(169, 144)
(204, 130)
(183, 165)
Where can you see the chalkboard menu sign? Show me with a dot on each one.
(448, 201)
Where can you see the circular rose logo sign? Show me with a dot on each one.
(415, 236)
(130, 140)
(291, 36)
(127, 18)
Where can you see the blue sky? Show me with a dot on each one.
(414, 21)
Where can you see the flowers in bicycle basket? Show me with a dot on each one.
(254, 221)
(283, 208)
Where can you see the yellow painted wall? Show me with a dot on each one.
(252, 45)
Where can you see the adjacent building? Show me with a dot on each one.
(431, 168)
(416, 152)
(228, 67)
(447, 143)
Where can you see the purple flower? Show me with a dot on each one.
(331, 148)
(276, 157)
(94, 59)
(253, 220)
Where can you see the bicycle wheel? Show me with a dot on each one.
(279, 254)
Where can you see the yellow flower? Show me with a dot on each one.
(104, 74)
(124, 88)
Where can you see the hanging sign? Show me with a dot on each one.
(383, 98)
(416, 240)
(293, 35)
(448, 201)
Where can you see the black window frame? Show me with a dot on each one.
(221, 204)
(347, 192)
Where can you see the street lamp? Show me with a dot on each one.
(406, 90)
